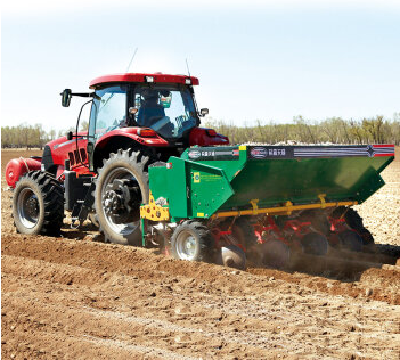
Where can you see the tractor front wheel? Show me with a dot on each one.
(38, 206)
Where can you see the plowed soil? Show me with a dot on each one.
(73, 298)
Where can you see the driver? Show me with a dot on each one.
(150, 111)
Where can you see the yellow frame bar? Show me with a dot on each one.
(282, 210)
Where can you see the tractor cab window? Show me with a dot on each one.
(168, 110)
(108, 111)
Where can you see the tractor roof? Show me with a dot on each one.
(144, 78)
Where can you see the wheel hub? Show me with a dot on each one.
(190, 245)
(32, 206)
(186, 245)
(122, 200)
(113, 202)
(28, 208)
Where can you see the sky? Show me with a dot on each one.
(256, 60)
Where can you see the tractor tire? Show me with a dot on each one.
(38, 205)
(192, 241)
(275, 254)
(351, 240)
(314, 244)
(125, 165)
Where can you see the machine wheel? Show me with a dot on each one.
(122, 186)
(38, 206)
(276, 254)
(192, 241)
(231, 256)
(351, 217)
(315, 244)
(366, 236)
(351, 240)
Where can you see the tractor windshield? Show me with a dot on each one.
(169, 110)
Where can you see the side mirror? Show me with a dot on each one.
(69, 135)
(66, 97)
(204, 111)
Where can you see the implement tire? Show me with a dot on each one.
(192, 241)
(367, 237)
(38, 204)
(351, 217)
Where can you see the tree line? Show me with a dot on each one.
(332, 131)
(29, 136)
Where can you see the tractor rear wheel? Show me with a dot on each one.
(192, 241)
(122, 186)
(38, 205)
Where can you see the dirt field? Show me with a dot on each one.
(72, 298)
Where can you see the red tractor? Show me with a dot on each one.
(135, 120)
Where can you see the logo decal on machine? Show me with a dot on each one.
(262, 152)
(315, 151)
(194, 154)
(214, 154)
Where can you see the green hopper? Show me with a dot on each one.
(220, 204)
(207, 181)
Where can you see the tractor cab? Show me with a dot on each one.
(163, 103)
(153, 111)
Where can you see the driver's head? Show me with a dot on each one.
(150, 97)
(165, 93)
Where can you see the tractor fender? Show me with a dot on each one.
(131, 134)
(119, 139)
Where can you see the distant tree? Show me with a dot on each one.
(85, 125)
(52, 134)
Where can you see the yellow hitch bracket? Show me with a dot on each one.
(322, 199)
(289, 207)
(154, 212)
(254, 203)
